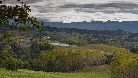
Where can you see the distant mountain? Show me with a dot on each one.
(131, 26)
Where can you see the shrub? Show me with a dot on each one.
(69, 59)
(39, 45)
(125, 65)
(11, 64)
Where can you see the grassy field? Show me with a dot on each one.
(39, 74)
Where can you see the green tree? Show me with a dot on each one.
(18, 15)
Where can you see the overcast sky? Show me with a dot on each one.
(84, 10)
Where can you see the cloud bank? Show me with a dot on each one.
(83, 10)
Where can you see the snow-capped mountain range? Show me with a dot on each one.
(83, 10)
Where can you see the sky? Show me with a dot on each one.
(83, 10)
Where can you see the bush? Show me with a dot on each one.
(11, 64)
(35, 64)
(69, 59)
(39, 45)
(125, 65)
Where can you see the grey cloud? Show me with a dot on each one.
(110, 11)
(93, 10)
(45, 9)
(25, 1)
(106, 5)
(49, 10)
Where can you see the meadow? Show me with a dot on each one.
(38, 74)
